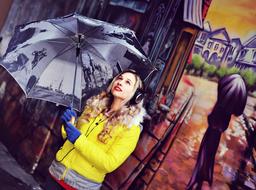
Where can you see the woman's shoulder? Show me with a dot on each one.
(138, 118)
(134, 121)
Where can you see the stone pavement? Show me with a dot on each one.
(9, 182)
(13, 177)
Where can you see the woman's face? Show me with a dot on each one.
(123, 86)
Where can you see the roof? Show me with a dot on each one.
(251, 43)
(237, 41)
(220, 34)
(207, 26)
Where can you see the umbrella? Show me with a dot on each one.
(62, 60)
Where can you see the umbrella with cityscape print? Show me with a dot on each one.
(62, 60)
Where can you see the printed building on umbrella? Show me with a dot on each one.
(167, 31)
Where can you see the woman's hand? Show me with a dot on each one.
(72, 132)
(69, 115)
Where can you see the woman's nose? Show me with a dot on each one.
(119, 83)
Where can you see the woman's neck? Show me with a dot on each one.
(116, 105)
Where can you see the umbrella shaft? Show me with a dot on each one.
(78, 45)
(77, 60)
(77, 51)
(74, 82)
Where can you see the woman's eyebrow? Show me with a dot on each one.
(131, 81)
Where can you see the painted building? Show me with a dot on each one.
(202, 37)
(247, 55)
(213, 46)
(216, 47)
(235, 47)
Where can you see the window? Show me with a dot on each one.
(216, 46)
(232, 49)
(203, 36)
(243, 53)
(197, 50)
(254, 57)
(209, 45)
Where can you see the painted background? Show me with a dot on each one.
(231, 25)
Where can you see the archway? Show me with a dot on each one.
(205, 55)
(214, 58)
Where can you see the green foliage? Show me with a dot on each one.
(249, 76)
(197, 61)
(232, 70)
(209, 69)
(221, 72)
(206, 66)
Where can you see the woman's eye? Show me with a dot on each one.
(128, 82)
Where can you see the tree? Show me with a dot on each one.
(249, 76)
(209, 69)
(232, 70)
(221, 72)
(197, 62)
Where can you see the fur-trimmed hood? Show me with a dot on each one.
(137, 120)
(127, 115)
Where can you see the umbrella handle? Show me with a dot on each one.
(72, 121)
(73, 118)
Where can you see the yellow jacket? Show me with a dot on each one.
(93, 159)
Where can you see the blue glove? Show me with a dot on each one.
(68, 114)
(72, 132)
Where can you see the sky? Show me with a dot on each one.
(237, 16)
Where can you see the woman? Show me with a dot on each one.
(105, 135)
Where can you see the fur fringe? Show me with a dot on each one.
(128, 116)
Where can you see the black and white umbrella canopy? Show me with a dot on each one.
(61, 60)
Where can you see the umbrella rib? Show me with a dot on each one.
(61, 53)
(63, 32)
(86, 42)
(107, 42)
(56, 41)
(59, 28)
(116, 43)
(91, 46)
(90, 31)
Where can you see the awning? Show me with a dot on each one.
(193, 12)
(138, 6)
